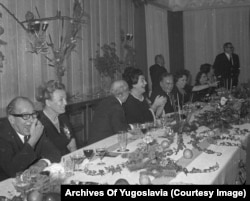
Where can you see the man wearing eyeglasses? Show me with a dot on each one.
(227, 67)
(22, 143)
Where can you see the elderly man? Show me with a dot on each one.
(22, 143)
(166, 86)
(109, 117)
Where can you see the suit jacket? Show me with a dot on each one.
(226, 71)
(170, 104)
(16, 156)
(155, 73)
(59, 139)
(108, 119)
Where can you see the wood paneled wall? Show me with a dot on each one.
(23, 72)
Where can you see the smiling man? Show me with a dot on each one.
(166, 87)
(22, 143)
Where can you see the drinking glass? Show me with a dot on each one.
(77, 159)
(122, 141)
(136, 129)
(88, 153)
(101, 152)
(144, 128)
(22, 183)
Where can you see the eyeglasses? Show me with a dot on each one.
(230, 47)
(26, 116)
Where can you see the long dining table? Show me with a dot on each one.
(226, 162)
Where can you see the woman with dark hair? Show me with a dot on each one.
(209, 70)
(206, 87)
(56, 124)
(137, 108)
(183, 93)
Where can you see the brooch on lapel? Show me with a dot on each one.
(66, 131)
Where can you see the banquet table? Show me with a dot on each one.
(226, 173)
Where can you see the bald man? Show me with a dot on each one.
(22, 142)
(109, 117)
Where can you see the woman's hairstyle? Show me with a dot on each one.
(46, 90)
(205, 68)
(180, 74)
(131, 76)
(198, 77)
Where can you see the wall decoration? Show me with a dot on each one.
(1, 43)
(36, 30)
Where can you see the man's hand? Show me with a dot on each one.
(37, 167)
(36, 131)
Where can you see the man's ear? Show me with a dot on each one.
(11, 119)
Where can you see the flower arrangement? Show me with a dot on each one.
(108, 63)
(154, 159)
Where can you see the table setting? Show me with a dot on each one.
(202, 144)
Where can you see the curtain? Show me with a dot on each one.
(205, 32)
(156, 35)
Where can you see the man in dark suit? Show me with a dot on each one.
(156, 71)
(22, 142)
(166, 87)
(227, 67)
(109, 117)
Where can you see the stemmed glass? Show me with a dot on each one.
(101, 152)
(88, 153)
(22, 183)
(144, 128)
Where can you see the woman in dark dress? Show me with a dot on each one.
(56, 124)
(182, 91)
(202, 80)
(137, 108)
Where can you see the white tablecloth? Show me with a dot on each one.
(226, 174)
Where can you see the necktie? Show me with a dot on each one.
(231, 60)
(26, 138)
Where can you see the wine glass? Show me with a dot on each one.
(144, 128)
(101, 152)
(88, 153)
(22, 183)
(77, 159)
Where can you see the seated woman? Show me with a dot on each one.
(183, 92)
(56, 124)
(208, 88)
(137, 108)
(209, 70)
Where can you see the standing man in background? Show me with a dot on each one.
(156, 71)
(227, 66)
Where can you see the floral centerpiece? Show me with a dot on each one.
(153, 159)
